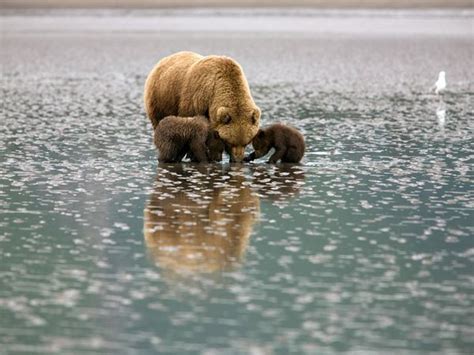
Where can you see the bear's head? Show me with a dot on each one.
(215, 146)
(261, 143)
(232, 111)
(237, 127)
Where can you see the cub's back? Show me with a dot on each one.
(181, 129)
(290, 135)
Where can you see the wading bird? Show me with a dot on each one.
(440, 85)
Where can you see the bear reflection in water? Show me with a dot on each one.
(199, 218)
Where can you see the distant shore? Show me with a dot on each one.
(131, 4)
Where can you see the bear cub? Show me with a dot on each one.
(288, 143)
(177, 136)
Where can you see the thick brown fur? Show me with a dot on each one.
(288, 143)
(177, 136)
(188, 84)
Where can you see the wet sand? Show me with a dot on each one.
(223, 22)
(238, 3)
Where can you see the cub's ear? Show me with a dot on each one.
(216, 135)
(223, 115)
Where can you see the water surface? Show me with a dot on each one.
(365, 246)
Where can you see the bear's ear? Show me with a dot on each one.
(255, 116)
(226, 119)
(223, 115)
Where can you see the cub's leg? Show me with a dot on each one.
(279, 153)
(198, 150)
(292, 155)
(166, 152)
(255, 155)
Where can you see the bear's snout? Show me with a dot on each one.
(237, 154)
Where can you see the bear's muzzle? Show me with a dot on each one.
(237, 154)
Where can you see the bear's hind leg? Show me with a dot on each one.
(292, 155)
(170, 153)
(163, 158)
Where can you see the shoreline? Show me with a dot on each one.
(166, 4)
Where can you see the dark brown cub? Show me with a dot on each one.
(288, 143)
(177, 136)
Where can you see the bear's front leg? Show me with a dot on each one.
(250, 157)
(198, 151)
(279, 153)
(257, 154)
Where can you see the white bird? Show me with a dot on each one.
(440, 85)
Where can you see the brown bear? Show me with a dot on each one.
(176, 136)
(288, 143)
(188, 84)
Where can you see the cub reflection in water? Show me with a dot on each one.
(278, 183)
(199, 217)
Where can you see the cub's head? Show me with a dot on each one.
(215, 146)
(261, 143)
(236, 127)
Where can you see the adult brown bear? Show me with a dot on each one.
(188, 84)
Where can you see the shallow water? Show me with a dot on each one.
(365, 246)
